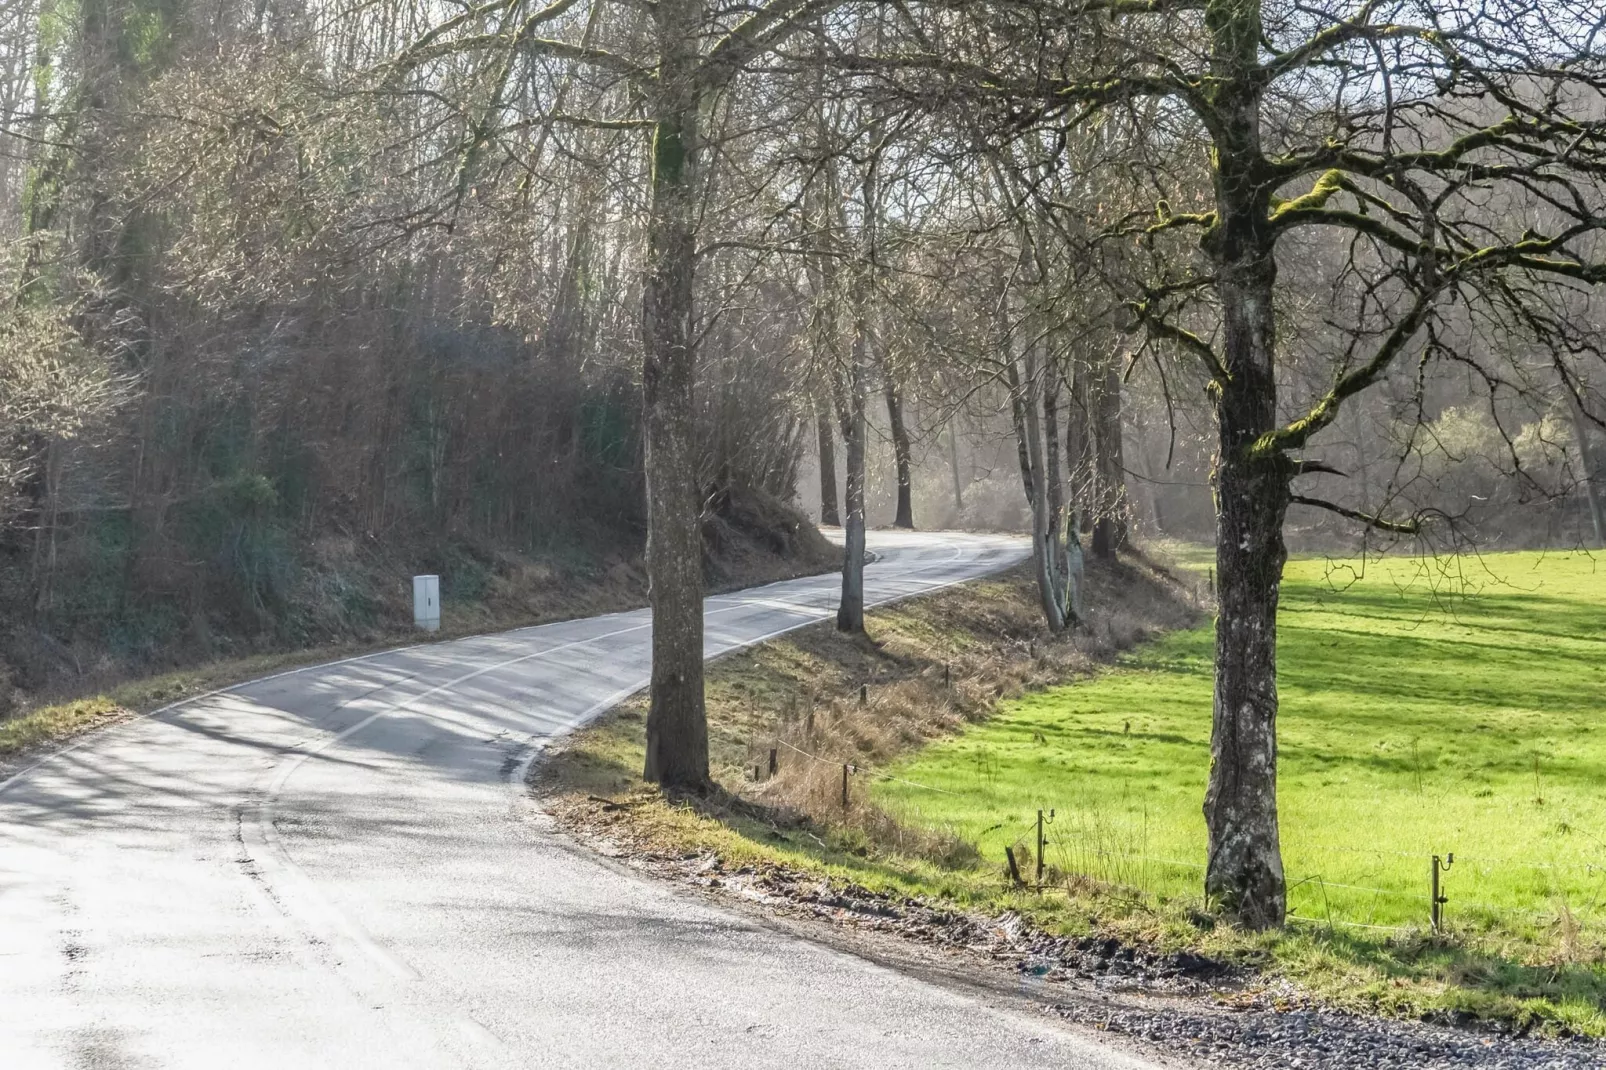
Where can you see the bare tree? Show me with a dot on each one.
(1388, 122)
(855, 429)
(689, 57)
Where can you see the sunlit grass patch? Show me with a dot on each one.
(1427, 709)
(51, 723)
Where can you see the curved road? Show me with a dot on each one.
(339, 867)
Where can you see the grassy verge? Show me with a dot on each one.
(1425, 712)
(53, 723)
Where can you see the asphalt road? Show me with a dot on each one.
(339, 867)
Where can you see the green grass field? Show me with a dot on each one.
(1427, 708)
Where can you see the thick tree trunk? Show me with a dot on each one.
(677, 726)
(1245, 870)
(1054, 475)
(1075, 611)
(829, 513)
(1114, 506)
(1059, 535)
(905, 517)
(1245, 873)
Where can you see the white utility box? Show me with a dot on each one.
(427, 602)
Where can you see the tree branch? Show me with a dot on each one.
(1412, 526)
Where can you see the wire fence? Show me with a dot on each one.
(1065, 847)
(859, 769)
(1453, 888)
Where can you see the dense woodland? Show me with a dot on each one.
(304, 297)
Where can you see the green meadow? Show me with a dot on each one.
(1452, 706)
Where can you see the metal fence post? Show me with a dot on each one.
(1436, 898)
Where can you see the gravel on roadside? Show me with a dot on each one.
(1184, 1008)
(1265, 1038)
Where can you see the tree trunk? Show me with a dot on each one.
(1245, 872)
(830, 515)
(1245, 869)
(1029, 450)
(1586, 460)
(1110, 527)
(1079, 451)
(1054, 476)
(825, 341)
(905, 517)
(953, 465)
(677, 726)
(850, 611)
(1059, 533)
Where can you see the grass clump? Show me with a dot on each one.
(21, 734)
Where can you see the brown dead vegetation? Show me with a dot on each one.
(821, 700)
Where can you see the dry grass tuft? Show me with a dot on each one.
(819, 700)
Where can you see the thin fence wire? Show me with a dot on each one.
(1325, 922)
(1359, 888)
(1026, 832)
(1475, 859)
(864, 770)
(1121, 866)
